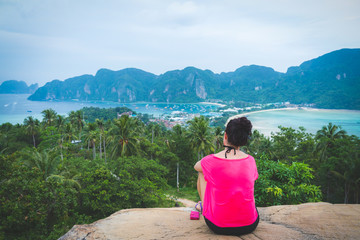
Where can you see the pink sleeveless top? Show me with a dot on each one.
(229, 196)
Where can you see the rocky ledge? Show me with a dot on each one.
(305, 221)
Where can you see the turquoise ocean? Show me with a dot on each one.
(14, 108)
(311, 119)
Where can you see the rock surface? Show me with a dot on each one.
(305, 221)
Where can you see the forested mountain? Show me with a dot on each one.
(19, 87)
(120, 86)
(330, 81)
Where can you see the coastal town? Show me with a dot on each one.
(173, 118)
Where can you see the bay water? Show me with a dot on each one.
(14, 108)
(311, 119)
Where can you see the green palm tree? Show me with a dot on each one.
(326, 137)
(69, 178)
(346, 177)
(325, 140)
(60, 125)
(349, 175)
(49, 117)
(60, 143)
(46, 163)
(76, 119)
(177, 135)
(91, 137)
(259, 144)
(124, 135)
(32, 127)
(60, 122)
(154, 130)
(218, 138)
(71, 182)
(200, 136)
(68, 132)
(100, 124)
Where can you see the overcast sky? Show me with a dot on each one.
(43, 40)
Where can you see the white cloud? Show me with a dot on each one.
(45, 39)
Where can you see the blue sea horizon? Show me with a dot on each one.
(14, 108)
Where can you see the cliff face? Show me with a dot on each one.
(305, 221)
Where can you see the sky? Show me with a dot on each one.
(43, 40)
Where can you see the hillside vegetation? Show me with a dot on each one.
(65, 171)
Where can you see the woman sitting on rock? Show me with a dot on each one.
(226, 184)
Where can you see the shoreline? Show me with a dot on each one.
(207, 103)
(216, 104)
(259, 111)
(289, 109)
(295, 108)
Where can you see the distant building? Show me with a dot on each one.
(168, 124)
(75, 141)
(130, 113)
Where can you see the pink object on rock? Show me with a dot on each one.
(194, 215)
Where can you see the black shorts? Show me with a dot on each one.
(233, 230)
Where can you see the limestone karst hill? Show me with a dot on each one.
(329, 81)
(305, 221)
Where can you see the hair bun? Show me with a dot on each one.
(245, 124)
(238, 131)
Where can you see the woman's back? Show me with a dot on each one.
(229, 195)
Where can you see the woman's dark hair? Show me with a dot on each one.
(238, 131)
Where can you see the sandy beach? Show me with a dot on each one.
(211, 103)
(291, 108)
(266, 110)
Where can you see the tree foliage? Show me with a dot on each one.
(63, 171)
(280, 183)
